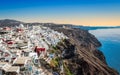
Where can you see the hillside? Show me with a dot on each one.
(9, 22)
(79, 53)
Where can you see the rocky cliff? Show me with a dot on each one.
(80, 54)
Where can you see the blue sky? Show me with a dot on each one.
(85, 12)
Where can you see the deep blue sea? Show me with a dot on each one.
(110, 39)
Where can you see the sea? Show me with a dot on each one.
(110, 40)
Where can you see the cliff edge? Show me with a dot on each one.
(80, 53)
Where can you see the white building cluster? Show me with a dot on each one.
(21, 47)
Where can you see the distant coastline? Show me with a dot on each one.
(95, 27)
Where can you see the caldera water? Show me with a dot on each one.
(110, 40)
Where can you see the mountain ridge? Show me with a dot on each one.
(8, 22)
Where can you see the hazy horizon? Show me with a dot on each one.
(76, 12)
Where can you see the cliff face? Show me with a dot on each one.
(81, 55)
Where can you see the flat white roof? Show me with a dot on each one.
(2, 64)
(21, 60)
(14, 69)
(6, 67)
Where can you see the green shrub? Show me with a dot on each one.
(54, 47)
(67, 70)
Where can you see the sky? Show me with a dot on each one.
(77, 12)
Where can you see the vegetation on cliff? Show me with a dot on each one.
(82, 56)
